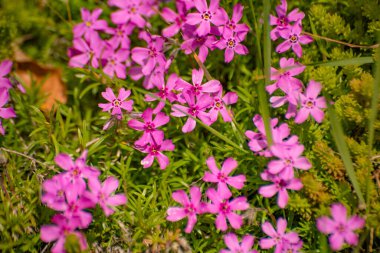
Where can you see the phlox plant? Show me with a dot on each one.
(193, 126)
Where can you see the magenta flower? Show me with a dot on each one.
(289, 158)
(91, 24)
(166, 91)
(121, 36)
(62, 228)
(177, 20)
(76, 201)
(148, 58)
(278, 238)
(198, 88)
(284, 76)
(231, 43)
(283, 20)
(54, 191)
(311, 104)
(76, 171)
(102, 194)
(279, 187)
(5, 68)
(196, 109)
(117, 103)
(234, 246)
(232, 25)
(221, 176)
(149, 126)
(340, 227)
(293, 39)
(206, 16)
(116, 62)
(224, 208)
(83, 53)
(220, 106)
(204, 43)
(5, 113)
(191, 207)
(131, 11)
(154, 150)
(258, 141)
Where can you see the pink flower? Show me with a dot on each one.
(102, 194)
(234, 246)
(85, 52)
(198, 88)
(191, 207)
(131, 11)
(5, 113)
(196, 109)
(76, 201)
(233, 24)
(121, 36)
(117, 104)
(221, 176)
(177, 20)
(149, 126)
(282, 22)
(311, 104)
(62, 228)
(91, 24)
(220, 106)
(166, 91)
(148, 58)
(258, 141)
(5, 68)
(340, 226)
(204, 43)
(116, 62)
(284, 76)
(154, 150)
(76, 171)
(289, 158)
(206, 16)
(224, 208)
(278, 238)
(279, 186)
(231, 44)
(293, 39)
(54, 191)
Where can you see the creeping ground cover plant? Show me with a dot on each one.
(189, 126)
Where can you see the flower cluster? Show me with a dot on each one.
(220, 204)
(72, 192)
(5, 85)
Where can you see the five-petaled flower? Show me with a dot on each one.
(234, 246)
(191, 207)
(116, 104)
(340, 227)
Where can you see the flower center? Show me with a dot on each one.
(190, 209)
(133, 10)
(152, 52)
(193, 111)
(119, 33)
(149, 126)
(154, 149)
(88, 24)
(197, 88)
(76, 172)
(293, 38)
(116, 103)
(341, 228)
(231, 24)
(231, 43)
(310, 104)
(225, 207)
(60, 193)
(282, 21)
(221, 177)
(206, 16)
(288, 162)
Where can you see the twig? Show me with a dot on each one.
(30, 158)
(341, 42)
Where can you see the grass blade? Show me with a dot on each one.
(338, 134)
(263, 101)
(345, 62)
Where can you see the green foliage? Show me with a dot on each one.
(43, 30)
